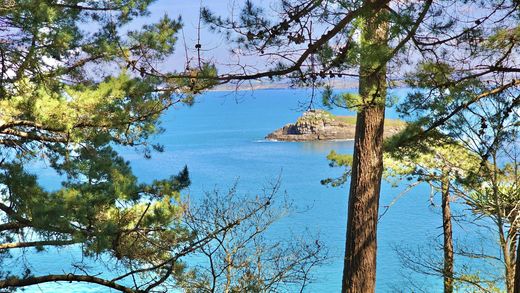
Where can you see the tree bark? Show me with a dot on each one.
(517, 269)
(448, 235)
(509, 264)
(359, 271)
(501, 222)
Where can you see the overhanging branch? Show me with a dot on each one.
(16, 282)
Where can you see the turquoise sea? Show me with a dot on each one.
(221, 140)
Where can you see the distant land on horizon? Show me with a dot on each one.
(259, 85)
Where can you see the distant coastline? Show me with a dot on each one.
(335, 84)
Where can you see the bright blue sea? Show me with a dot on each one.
(220, 139)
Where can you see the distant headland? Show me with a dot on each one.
(336, 84)
(322, 125)
(348, 84)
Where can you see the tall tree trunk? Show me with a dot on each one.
(512, 263)
(509, 267)
(517, 269)
(501, 221)
(359, 271)
(448, 235)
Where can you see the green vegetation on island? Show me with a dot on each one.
(322, 125)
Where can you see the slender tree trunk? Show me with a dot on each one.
(511, 259)
(517, 269)
(359, 272)
(504, 239)
(510, 269)
(448, 235)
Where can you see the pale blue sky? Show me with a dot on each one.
(216, 48)
(215, 44)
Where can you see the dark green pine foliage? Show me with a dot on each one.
(75, 83)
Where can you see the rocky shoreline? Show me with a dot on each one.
(321, 125)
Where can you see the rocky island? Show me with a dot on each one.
(322, 125)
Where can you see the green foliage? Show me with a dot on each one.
(100, 205)
(159, 37)
(465, 283)
(328, 97)
(426, 160)
(350, 101)
(55, 44)
(58, 111)
(496, 196)
(199, 79)
(339, 160)
(75, 85)
(429, 73)
(453, 72)
(431, 160)
(503, 38)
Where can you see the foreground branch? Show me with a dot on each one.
(16, 282)
(37, 243)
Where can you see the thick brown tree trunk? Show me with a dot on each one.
(448, 236)
(359, 272)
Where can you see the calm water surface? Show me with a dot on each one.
(221, 140)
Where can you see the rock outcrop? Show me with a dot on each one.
(321, 125)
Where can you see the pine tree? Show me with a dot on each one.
(56, 108)
(314, 41)
(76, 84)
